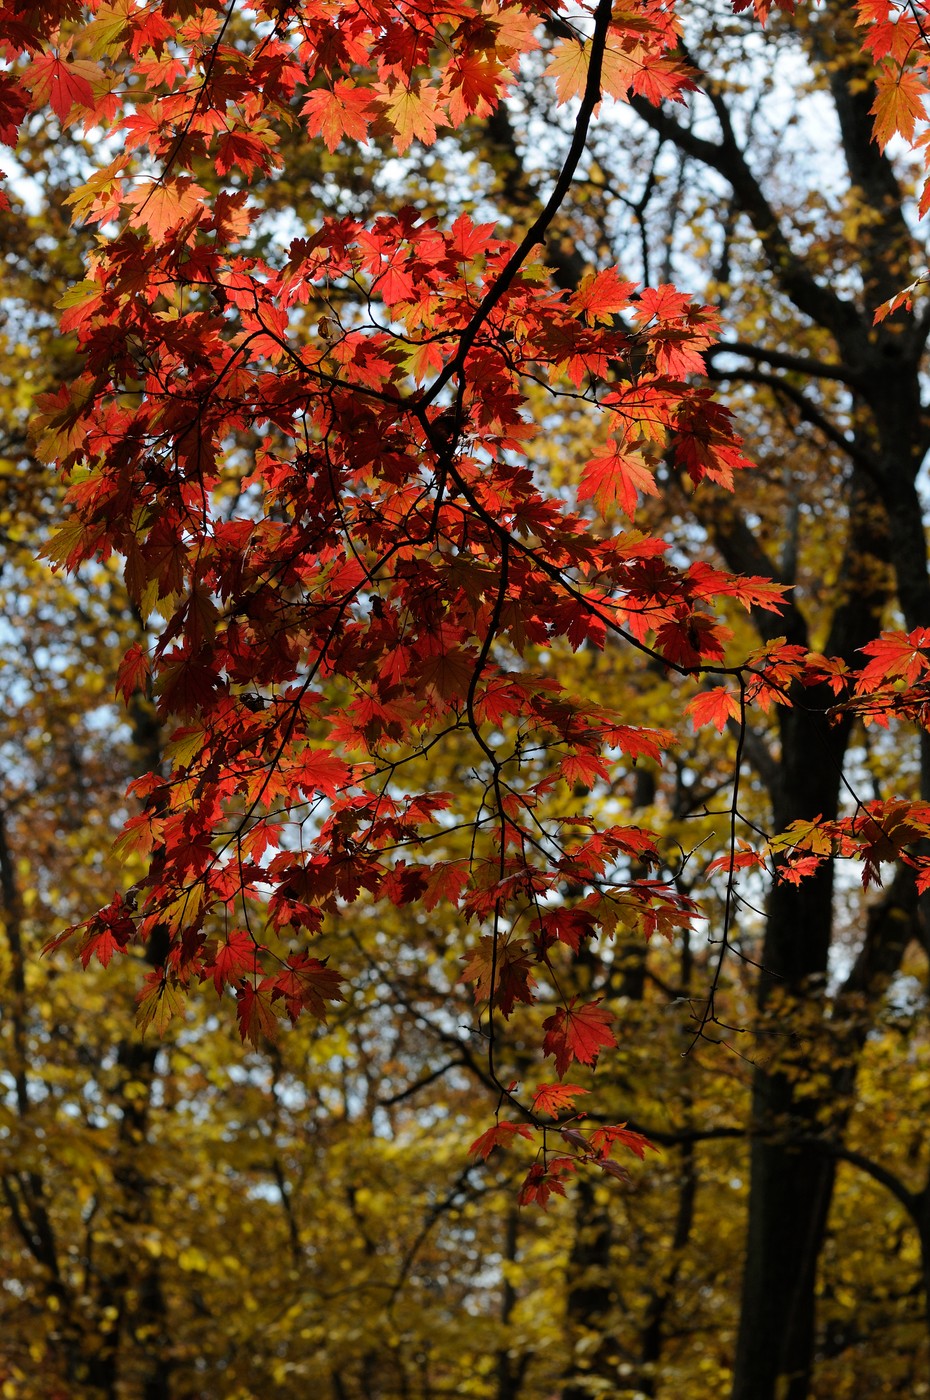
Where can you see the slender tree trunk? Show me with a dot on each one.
(790, 1198)
(590, 1298)
(511, 1369)
(921, 1217)
(132, 1287)
(793, 1181)
(790, 1186)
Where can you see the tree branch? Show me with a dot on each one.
(808, 412)
(823, 305)
(781, 359)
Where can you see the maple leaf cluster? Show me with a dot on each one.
(391, 568)
(549, 1173)
(398, 562)
(897, 38)
(889, 686)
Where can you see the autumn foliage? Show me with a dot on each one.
(318, 468)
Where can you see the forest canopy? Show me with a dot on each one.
(466, 623)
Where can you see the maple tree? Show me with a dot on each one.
(319, 466)
(344, 616)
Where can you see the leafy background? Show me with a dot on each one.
(186, 1216)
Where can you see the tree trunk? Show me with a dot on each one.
(589, 1298)
(790, 1185)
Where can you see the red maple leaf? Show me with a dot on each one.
(716, 706)
(604, 1140)
(614, 480)
(577, 1033)
(474, 82)
(255, 1014)
(508, 964)
(446, 881)
(543, 1181)
(568, 926)
(308, 984)
(133, 672)
(899, 104)
(318, 770)
(235, 957)
(242, 149)
(895, 654)
(62, 82)
(501, 1135)
(337, 112)
(13, 108)
(601, 295)
(160, 205)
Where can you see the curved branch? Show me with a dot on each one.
(780, 359)
(808, 412)
(536, 231)
(910, 1200)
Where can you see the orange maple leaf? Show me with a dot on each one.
(715, 707)
(501, 1135)
(614, 480)
(61, 83)
(577, 1033)
(159, 205)
(552, 1098)
(898, 105)
(343, 111)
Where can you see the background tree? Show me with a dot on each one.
(809, 265)
(798, 256)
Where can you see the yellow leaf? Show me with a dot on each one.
(569, 68)
(412, 113)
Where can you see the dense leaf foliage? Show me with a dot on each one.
(184, 1215)
(319, 465)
